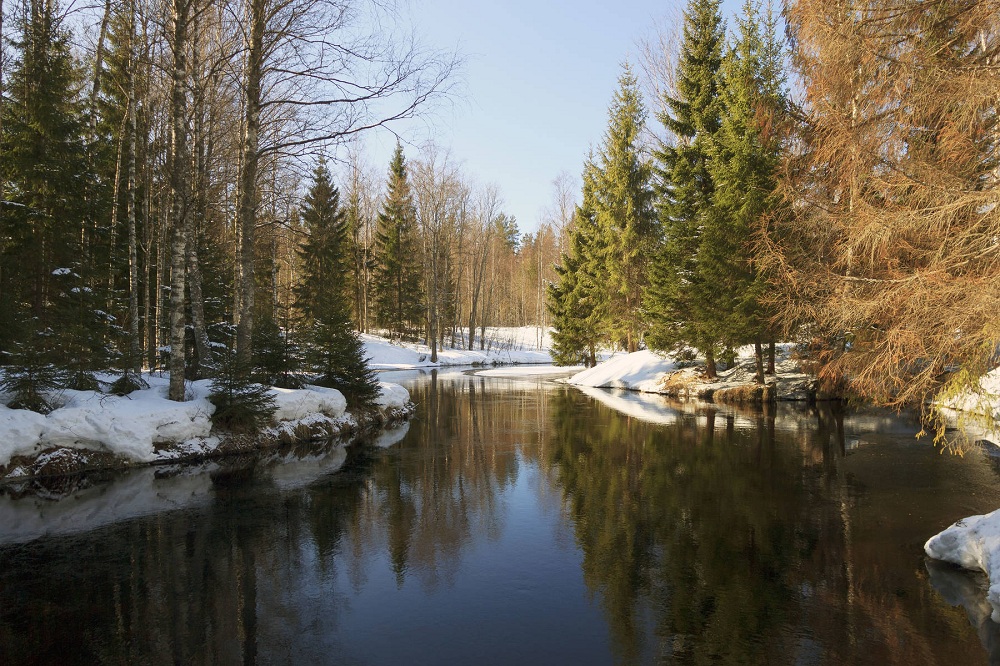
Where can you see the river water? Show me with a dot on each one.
(517, 521)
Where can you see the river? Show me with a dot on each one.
(517, 521)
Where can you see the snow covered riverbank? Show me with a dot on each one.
(973, 543)
(650, 372)
(95, 430)
(504, 346)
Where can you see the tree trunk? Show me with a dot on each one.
(203, 359)
(771, 353)
(247, 190)
(178, 195)
(758, 355)
(135, 359)
(711, 372)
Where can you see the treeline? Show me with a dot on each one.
(858, 218)
(165, 202)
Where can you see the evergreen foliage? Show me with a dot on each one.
(575, 301)
(81, 330)
(679, 294)
(43, 173)
(601, 278)
(398, 282)
(241, 405)
(746, 151)
(624, 216)
(29, 375)
(276, 356)
(335, 352)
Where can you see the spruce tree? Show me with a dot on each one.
(678, 294)
(334, 351)
(577, 301)
(624, 214)
(44, 169)
(47, 288)
(397, 277)
(746, 152)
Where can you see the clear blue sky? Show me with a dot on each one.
(538, 79)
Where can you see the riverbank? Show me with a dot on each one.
(649, 372)
(90, 430)
(525, 345)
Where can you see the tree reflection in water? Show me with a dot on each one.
(713, 535)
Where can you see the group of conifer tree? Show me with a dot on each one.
(858, 217)
(661, 247)
(121, 245)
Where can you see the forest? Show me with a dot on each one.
(823, 173)
(187, 192)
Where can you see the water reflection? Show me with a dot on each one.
(527, 522)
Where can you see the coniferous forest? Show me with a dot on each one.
(187, 193)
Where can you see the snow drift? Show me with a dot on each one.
(973, 543)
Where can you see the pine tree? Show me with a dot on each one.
(624, 214)
(678, 295)
(397, 276)
(334, 351)
(746, 152)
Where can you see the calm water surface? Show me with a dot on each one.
(517, 522)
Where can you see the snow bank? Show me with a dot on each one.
(132, 426)
(393, 396)
(973, 543)
(639, 371)
(128, 426)
(297, 404)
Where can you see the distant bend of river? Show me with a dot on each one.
(520, 521)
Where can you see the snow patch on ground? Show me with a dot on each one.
(640, 371)
(296, 404)
(973, 543)
(393, 396)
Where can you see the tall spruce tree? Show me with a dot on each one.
(678, 294)
(334, 351)
(45, 218)
(576, 299)
(397, 275)
(624, 214)
(746, 152)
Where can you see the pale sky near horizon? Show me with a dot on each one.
(536, 85)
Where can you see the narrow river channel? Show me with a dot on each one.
(518, 521)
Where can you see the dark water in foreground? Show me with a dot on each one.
(518, 522)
